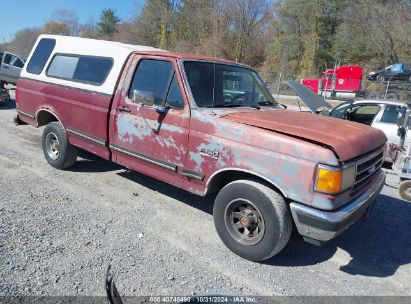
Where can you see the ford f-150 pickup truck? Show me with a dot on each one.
(205, 125)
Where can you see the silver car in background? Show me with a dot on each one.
(10, 68)
(380, 114)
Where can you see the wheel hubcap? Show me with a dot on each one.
(52, 146)
(244, 222)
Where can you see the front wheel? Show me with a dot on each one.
(405, 190)
(57, 150)
(252, 219)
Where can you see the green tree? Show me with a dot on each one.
(154, 24)
(108, 23)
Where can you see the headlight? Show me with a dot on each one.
(334, 180)
(372, 73)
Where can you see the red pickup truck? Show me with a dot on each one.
(205, 125)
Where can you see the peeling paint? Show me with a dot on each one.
(129, 126)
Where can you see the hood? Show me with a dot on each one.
(313, 101)
(347, 139)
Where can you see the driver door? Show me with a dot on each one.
(145, 139)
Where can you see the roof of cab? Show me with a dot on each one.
(117, 51)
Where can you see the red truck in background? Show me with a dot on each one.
(343, 82)
(205, 125)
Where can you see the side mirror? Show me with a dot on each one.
(325, 112)
(161, 109)
(143, 97)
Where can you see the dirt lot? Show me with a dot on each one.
(60, 229)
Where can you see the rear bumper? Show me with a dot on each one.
(325, 225)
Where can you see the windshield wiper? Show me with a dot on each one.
(233, 105)
(266, 103)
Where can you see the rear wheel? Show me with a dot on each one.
(57, 150)
(392, 96)
(252, 219)
(405, 190)
(373, 95)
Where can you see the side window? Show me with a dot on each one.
(174, 97)
(363, 113)
(62, 67)
(92, 70)
(40, 56)
(18, 63)
(8, 58)
(390, 114)
(152, 78)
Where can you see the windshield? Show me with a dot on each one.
(222, 85)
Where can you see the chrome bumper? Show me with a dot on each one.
(325, 225)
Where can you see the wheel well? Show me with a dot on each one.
(225, 177)
(45, 117)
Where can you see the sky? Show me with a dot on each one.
(34, 13)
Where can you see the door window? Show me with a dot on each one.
(174, 97)
(9, 58)
(390, 114)
(363, 113)
(18, 63)
(152, 78)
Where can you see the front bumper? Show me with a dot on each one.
(325, 225)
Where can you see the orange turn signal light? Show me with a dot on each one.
(328, 181)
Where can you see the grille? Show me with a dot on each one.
(367, 169)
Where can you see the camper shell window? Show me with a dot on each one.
(80, 68)
(40, 56)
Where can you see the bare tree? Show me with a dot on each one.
(88, 29)
(23, 41)
(68, 18)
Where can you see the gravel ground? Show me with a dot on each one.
(60, 229)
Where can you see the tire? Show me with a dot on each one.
(405, 190)
(392, 96)
(373, 95)
(57, 150)
(256, 203)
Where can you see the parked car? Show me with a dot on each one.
(10, 68)
(169, 116)
(398, 71)
(380, 114)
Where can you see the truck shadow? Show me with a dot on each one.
(88, 162)
(377, 247)
(204, 204)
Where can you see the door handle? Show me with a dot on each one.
(124, 109)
